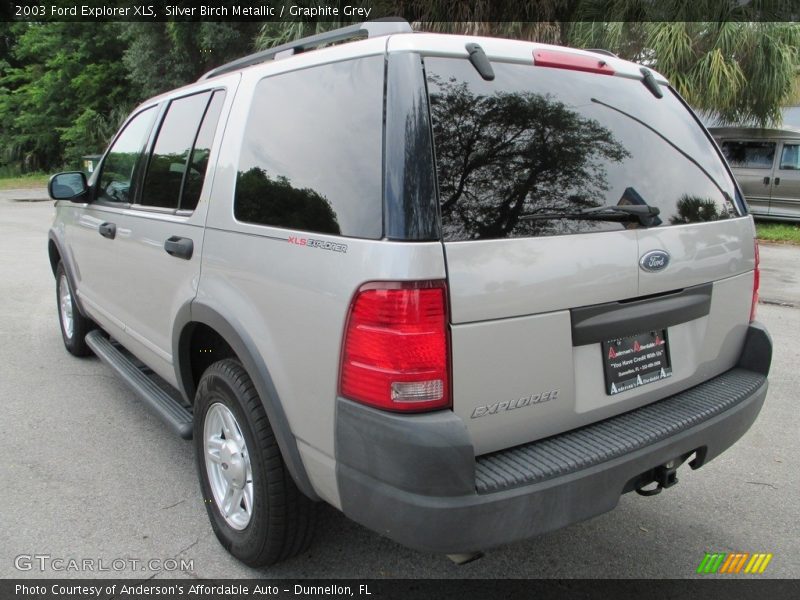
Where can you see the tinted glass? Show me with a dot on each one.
(749, 155)
(311, 157)
(117, 180)
(790, 157)
(198, 162)
(162, 186)
(410, 182)
(537, 141)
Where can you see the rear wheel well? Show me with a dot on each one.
(203, 347)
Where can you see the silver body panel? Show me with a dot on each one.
(139, 303)
(503, 356)
(496, 279)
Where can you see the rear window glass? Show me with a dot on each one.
(312, 157)
(537, 141)
(749, 155)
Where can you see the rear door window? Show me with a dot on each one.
(198, 160)
(749, 155)
(539, 140)
(173, 163)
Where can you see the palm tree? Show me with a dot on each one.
(736, 67)
(740, 72)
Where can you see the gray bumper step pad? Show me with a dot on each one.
(599, 442)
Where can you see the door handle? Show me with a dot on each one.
(766, 180)
(777, 181)
(108, 230)
(179, 246)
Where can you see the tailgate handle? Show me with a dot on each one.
(108, 230)
(180, 247)
(613, 320)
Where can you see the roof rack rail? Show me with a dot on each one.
(368, 29)
(601, 51)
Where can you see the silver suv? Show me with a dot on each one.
(465, 290)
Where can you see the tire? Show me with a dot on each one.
(280, 520)
(74, 326)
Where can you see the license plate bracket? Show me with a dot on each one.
(633, 361)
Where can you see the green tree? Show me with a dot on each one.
(738, 67)
(8, 35)
(58, 77)
(445, 16)
(66, 87)
(742, 71)
(162, 56)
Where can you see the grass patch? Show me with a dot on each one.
(24, 182)
(787, 233)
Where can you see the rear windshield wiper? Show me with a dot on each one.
(686, 155)
(644, 215)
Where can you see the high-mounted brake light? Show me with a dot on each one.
(568, 60)
(756, 283)
(395, 353)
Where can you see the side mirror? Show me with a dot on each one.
(70, 186)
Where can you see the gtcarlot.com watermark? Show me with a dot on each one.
(65, 564)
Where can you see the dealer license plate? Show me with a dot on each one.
(637, 360)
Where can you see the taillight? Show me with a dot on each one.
(756, 282)
(569, 60)
(395, 351)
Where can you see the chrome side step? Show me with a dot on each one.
(168, 407)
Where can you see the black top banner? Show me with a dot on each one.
(351, 11)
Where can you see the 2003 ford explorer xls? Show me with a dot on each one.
(465, 290)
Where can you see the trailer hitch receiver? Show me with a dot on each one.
(664, 476)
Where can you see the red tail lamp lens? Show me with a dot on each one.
(395, 353)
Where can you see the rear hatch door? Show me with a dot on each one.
(541, 294)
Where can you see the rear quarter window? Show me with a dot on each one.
(540, 140)
(311, 159)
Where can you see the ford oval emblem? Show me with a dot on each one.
(654, 261)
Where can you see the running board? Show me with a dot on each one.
(166, 406)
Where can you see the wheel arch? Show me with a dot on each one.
(233, 333)
(53, 253)
(56, 253)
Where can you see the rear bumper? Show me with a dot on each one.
(415, 480)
